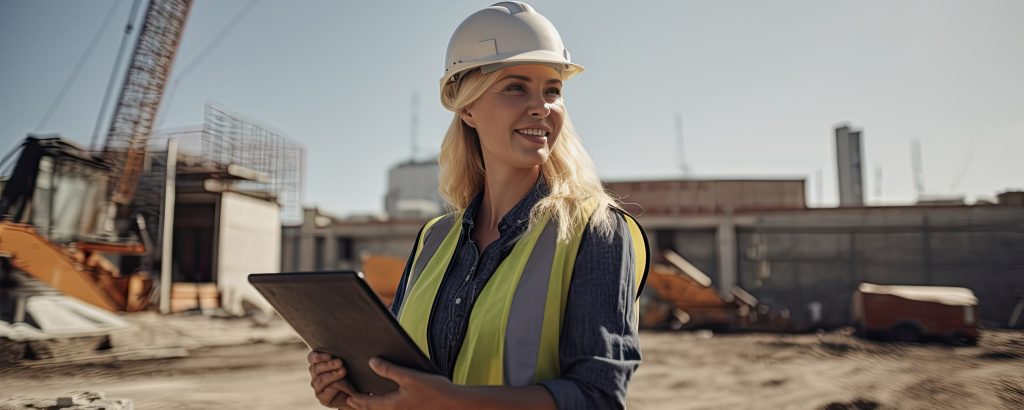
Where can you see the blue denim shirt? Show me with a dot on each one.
(599, 349)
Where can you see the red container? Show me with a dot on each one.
(916, 313)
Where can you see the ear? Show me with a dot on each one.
(467, 117)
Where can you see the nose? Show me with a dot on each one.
(539, 107)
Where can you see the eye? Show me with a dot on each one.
(553, 91)
(515, 88)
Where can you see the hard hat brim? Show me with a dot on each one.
(556, 61)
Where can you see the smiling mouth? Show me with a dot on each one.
(534, 135)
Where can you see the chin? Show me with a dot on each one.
(531, 161)
(538, 157)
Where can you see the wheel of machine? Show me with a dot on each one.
(905, 333)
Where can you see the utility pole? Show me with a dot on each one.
(918, 167)
(414, 124)
(878, 182)
(819, 189)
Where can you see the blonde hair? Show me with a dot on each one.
(569, 172)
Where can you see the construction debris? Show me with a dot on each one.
(680, 295)
(76, 400)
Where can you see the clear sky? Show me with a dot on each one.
(759, 84)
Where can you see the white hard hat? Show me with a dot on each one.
(507, 33)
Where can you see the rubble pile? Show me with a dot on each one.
(77, 400)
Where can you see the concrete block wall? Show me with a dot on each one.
(821, 256)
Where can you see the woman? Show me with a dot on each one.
(525, 296)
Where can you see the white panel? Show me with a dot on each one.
(249, 242)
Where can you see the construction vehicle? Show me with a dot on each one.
(64, 207)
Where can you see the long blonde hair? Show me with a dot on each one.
(569, 172)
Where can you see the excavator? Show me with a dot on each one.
(66, 211)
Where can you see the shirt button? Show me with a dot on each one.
(458, 301)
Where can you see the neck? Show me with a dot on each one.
(503, 189)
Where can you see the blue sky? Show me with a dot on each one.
(759, 85)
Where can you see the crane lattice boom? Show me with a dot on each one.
(143, 89)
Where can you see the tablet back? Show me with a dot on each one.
(338, 313)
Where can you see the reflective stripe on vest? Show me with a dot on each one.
(513, 332)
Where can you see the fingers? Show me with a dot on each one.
(315, 357)
(345, 387)
(326, 366)
(321, 381)
(336, 394)
(333, 396)
(327, 378)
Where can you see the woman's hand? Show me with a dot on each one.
(415, 390)
(327, 377)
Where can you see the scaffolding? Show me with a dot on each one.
(232, 138)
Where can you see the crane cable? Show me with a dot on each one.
(78, 67)
(165, 106)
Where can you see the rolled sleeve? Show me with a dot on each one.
(599, 348)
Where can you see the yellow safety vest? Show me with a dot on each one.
(515, 325)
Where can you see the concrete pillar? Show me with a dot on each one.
(167, 224)
(726, 256)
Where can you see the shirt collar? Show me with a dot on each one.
(516, 220)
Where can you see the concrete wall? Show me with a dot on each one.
(678, 197)
(822, 256)
(392, 238)
(791, 259)
(788, 259)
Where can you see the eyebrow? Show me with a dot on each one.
(528, 79)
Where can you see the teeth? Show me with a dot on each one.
(533, 132)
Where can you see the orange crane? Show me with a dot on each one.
(63, 206)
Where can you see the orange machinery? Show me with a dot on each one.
(680, 295)
(383, 273)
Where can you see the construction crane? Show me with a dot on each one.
(143, 89)
(58, 206)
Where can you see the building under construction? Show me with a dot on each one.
(235, 181)
(227, 137)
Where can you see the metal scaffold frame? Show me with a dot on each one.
(232, 138)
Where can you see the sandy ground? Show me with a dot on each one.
(232, 365)
(827, 371)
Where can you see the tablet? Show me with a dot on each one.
(338, 313)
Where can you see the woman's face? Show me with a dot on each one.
(519, 116)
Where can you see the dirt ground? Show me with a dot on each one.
(827, 371)
(681, 370)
